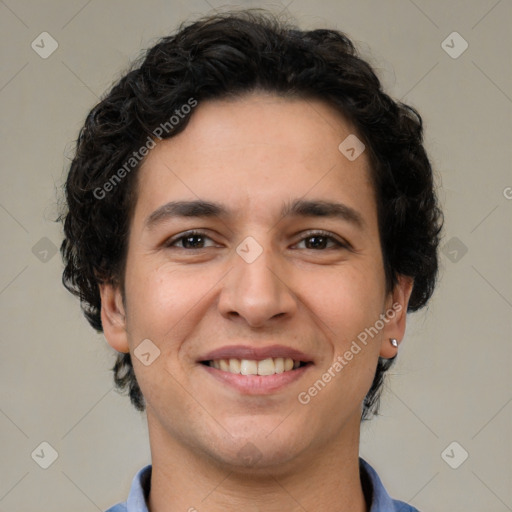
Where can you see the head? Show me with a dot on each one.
(246, 113)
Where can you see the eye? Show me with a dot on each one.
(314, 240)
(320, 240)
(189, 240)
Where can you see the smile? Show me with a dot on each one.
(256, 370)
(268, 366)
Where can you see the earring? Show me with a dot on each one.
(393, 342)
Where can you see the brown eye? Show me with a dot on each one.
(189, 240)
(317, 242)
(322, 241)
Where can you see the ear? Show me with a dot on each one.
(113, 318)
(395, 315)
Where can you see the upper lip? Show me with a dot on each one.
(255, 353)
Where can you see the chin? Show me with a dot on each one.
(260, 449)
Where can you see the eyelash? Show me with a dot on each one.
(310, 234)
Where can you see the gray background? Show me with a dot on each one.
(452, 382)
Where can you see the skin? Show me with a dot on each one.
(252, 155)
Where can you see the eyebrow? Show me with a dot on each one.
(297, 208)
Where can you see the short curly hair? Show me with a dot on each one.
(228, 55)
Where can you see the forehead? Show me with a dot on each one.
(255, 151)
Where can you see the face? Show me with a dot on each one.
(254, 248)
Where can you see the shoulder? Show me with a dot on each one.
(139, 491)
(376, 494)
(120, 507)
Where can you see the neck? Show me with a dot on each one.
(185, 480)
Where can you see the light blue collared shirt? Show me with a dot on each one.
(372, 487)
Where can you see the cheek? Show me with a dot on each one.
(161, 307)
(161, 298)
(347, 299)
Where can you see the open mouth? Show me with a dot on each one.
(269, 366)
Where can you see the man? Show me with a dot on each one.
(250, 217)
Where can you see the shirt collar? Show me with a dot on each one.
(376, 494)
(139, 492)
(373, 488)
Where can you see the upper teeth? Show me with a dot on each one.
(268, 366)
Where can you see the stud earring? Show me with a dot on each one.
(393, 342)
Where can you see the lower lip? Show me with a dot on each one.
(257, 384)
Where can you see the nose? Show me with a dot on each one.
(258, 291)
